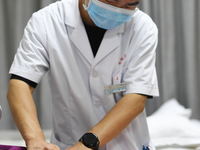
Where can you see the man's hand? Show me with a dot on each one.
(78, 146)
(41, 145)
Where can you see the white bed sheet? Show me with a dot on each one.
(13, 137)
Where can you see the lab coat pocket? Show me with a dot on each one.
(117, 79)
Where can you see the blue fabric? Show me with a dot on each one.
(105, 18)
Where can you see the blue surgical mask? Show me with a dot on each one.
(107, 16)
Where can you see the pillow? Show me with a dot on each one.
(170, 126)
(172, 107)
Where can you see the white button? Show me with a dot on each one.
(95, 74)
(97, 104)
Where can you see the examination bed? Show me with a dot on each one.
(170, 127)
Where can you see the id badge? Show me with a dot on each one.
(115, 88)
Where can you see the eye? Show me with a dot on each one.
(130, 6)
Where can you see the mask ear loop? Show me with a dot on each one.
(85, 6)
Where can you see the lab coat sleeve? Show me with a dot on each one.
(140, 75)
(31, 59)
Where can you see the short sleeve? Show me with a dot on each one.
(140, 75)
(31, 59)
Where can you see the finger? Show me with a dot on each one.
(56, 147)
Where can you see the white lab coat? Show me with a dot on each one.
(56, 42)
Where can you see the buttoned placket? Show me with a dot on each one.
(100, 112)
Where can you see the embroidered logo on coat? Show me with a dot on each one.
(122, 59)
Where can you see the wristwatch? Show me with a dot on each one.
(90, 140)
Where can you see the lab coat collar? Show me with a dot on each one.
(79, 37)
(76, 29)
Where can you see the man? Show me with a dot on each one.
(100, 60)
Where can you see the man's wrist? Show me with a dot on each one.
(31, 138)
(82, 146)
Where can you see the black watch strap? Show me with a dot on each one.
(97, 146)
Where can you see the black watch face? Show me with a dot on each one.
(90, 140)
